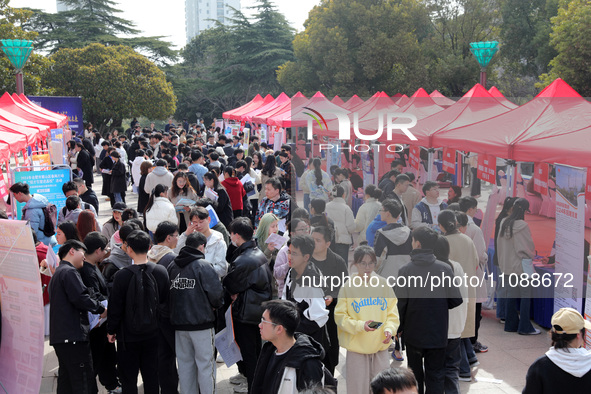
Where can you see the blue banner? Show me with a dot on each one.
(47, 183)
(70, 106)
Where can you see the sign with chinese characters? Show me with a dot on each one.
(449, 160)
(414, 156)
(47, 183)
(541, 178)
(487, 167)
(69, 106)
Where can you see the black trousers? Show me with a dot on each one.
(428, 365)
(331, 359)
(478, 317)
(76, 375)
(248, 338)
(133, 357)
(168, 376)
(104, 357)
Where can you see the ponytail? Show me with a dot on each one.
(317, 171)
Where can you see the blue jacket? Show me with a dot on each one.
(33, 212)
(372, 229)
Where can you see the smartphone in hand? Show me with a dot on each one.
(374, 324)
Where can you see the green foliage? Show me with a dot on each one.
(224, 67)
(571, 37)
(94, 21)
(11, 21)
(115, 83)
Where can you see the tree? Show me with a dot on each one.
(11, 20)
(571, 37)
(115, 82)
(94, 21)
(226, 66)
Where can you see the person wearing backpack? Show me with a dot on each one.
(37, 211)
(289, 362)
(195, 294)
(132, 318)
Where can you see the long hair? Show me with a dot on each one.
(519, 207)
(248, 161)
(86, 224)
(270, 166)
(317, 171)
(260, 163)
(175, 190)
(158, 190)
(69, 229)
(263, 230)
(213, 177)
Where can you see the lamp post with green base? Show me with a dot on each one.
(484, 51)
(18, 52)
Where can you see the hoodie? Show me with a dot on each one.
(195, 291)
(512, 250)
(33, 212)
(161, 254)
(235, 192)
(135, 170)
(116, 260)
(160, 175)
(293, 371)
(393, 246)
(425, 213)
(560, 370)
(373, 228)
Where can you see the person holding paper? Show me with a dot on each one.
(70, 302)
(181, 192)
(267, 226)
(215, 191)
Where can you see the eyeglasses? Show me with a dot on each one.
(268, 322)
(366, 264)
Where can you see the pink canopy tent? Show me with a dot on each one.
(8, 104)
(4, 152)
(32, 134)
(402, 100)
(283, 107)
(25, 104)
(440, 99)
(298, 116)
(337, 101)
(16, 142)
(556, 110)
(496, 93)
(279, 100)
(253, 104)
(353, 102)
(476, 105)
(15, 119)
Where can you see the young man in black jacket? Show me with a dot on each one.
(289, 362)
(136, 351)
(195, 294)
(424, 310)
(70, 301)
(249, 284)
(104, 355)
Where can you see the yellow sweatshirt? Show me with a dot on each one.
(358, 304)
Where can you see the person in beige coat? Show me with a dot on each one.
(368, 211)
(411, 196)
(344, 222)
(463, 251)
(515, 249)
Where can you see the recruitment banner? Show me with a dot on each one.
(21, 300)
(368, 169)
(69, 106)
(588, 186)
(587, 314)
(570, 237)
(47, 183)
(449, 160)
(57, 147)
(487, 167)
(42, 160)
(414, 156)
(541, 171)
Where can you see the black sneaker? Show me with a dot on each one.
(480, 348)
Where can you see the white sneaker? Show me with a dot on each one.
(238, 379)
(219, 359)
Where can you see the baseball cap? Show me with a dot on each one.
(569, 321)
(119, 207)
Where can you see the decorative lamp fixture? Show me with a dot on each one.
(18, 52)
(484, 51)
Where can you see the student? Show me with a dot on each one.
(344, 221)
(289, 361)
(235, 190)
(136, 350)
(394, 381)
(394, 239)
(195, 294)
(425, 212)
(33, 211)
(70, 302)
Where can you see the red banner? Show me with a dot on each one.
(541, 171)
(3, 188)
(588, 185)
(27, 161)
(414, 156)
(449, 160)
(487, 167)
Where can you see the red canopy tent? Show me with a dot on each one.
(15, 119)
(25, 100)
(353, 102)
(253, 104)
(440, 99)
(279, 100)
(4, 152)
(402, 100)
(16, 142)
(32, 134)
(338, 101)
(8, 104)
(283, 107)
(496, 93)
(476, 105)
(60, 119)
(556, 110)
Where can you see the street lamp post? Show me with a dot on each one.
(18, 52)
(484, 51)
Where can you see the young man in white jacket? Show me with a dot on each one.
(344, 222)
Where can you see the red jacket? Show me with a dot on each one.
(41, 255)
(235, 191)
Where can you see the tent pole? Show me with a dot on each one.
(511, 166)
(430, 165)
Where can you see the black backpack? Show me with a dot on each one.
(141, 301)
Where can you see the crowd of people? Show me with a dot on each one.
(217, 230)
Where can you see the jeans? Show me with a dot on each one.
(453, 355)
(118, 197)
(501, 297)
(433, 375)
(307, 201)
(467, 356)
(514, 320)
